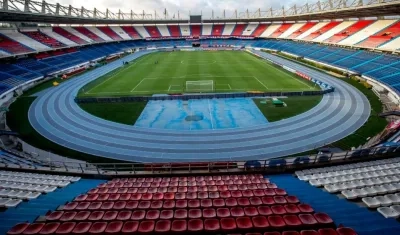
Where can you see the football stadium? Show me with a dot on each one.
(189, 118)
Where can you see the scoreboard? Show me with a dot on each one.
(195, 19)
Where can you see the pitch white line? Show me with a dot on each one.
(297, 79)
(261, 82)
(230, 88)
(138, 84)
(169, 88)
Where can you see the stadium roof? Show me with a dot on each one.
(42, 12)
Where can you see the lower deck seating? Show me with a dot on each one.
(229, 204)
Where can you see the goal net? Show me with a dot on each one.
(200, 86)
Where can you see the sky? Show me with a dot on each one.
(184, 6)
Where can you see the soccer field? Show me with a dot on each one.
(180, 72)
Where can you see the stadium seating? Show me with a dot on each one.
(238, 30)
(109, 32)
(259, 30)
(281, 29)
(153, 31)
(195, 30)
(89, 34)
(45, 39)
(12, 46)
(301, 30)
(359, 25)
(217, 29)
(61, 31)
(382, 37)
(228, 204)
(322, 30)
(131, 31)
(174, 30)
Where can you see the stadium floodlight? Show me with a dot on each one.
(200, 86)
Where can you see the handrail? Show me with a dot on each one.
(266, 166)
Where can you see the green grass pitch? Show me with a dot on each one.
(230, 71)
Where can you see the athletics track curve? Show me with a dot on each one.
(56, 116)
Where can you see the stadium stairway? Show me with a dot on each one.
(29, 210)
(362, 220)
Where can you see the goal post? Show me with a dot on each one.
(200, 86)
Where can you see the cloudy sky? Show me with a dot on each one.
(184, 6)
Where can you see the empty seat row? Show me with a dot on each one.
(191, 178)
(390, 212)
(160, 213)
(58, 183)
(387, 200)
(177, 226)
(341, 170)
(8, 203)
(250, 183)
(16, 183)
(183, 189)
(370, 190)
(15, 174)
(387, 176)
(24, 195)
(10, 188)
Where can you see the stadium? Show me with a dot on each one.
(277, 121)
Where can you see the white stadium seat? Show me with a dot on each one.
(388, 212)
(371, 202)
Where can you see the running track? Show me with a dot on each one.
(55, 115)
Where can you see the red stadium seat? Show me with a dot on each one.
(244, 223)
(54, 216)
(228, 224)
(308, 220)
(211, 225)
(290, 233)
(209, 213)
(82, 216)
(195, 225)
(119, 205)
(243, 202)
(269, 192)
(181, 204)
(280, 192)
(68, 216)
(147, 196)
(82, 206)
(236, 194)
(166, 214)
(156, 205)
(138, 215)
(345, 231)
(292, 199)
(82, 198)
(260, 222)
(278, 210)
(247, 193)
(272, 233)
(70, 206)
(212, 188)
(259, 193)
(172, 189)
(95, 206)
(213, 195)
(194, 213)
(49, 228)
(66, 228)
(292, 209)
(181, 214)
(231, 202)
(276, 222)
(101, 197)
(124, 215)
(162, 190)
(280, 200)
(191, 195)
(223, 212)
(180, 195)
(114, 197)
(292, 221)
(323, 218)
(33, 228)
(158, 196)
(255, 201)
(309, 232)
(98, 228)
(131, 205)
(327, 231)
(125, 197)
(270, 185)
(237, 212)
(218, 202)
(304, 208)
(264, 210)
(153, 215)
(144, 205)
(132, 190)
(107, 206)
(82, 228)
(146, 227)
(96, 216)
(194, 203)
(169, 204)
(179, 226)
(130, 227)
(222, 188)
(206, 203)
(202, 195)
(162, 226)
(250, 211)
(232, 187)
(135, 196)
(268, 200)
